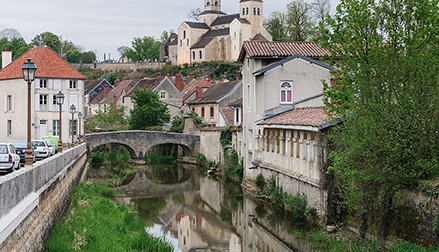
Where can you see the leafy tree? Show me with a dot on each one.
(73, 56)
(387, 93)
(148, 110)
(121, 50)
(146, 48)
(164, 37)
(16, 45)
(321, 11)
(88, 57)
(300, 26)
(276, 25)
(109, 119)
(194, 13)
(110, 77)
(48, 38)
(67, 46)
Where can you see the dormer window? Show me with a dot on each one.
(286, 92)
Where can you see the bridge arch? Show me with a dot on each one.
(138, 142)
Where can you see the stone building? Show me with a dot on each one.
(53, 75)
(216, 35)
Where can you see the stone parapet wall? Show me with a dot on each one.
(26, 225)
(122, 66)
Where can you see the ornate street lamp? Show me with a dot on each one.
(79, 118)
(73, 111)
(29, 69)
(60, 101)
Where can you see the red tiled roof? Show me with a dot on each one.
(50, 65)
(145, 83)
(280, 49)
(228, 114)
(310, 116)
(119, 89)
(190, 89)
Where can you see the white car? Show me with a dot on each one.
(51, 147)
(9, 160)
(41, 148)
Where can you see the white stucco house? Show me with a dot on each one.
(53, 75)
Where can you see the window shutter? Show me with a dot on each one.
(50, 102)
(50, 84)
(6, 103)
(37, 102)
(57, 84)
(80, 84)
(67, 84)
(12, 103)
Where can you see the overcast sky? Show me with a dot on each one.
(104, 25)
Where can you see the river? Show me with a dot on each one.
(198, 213)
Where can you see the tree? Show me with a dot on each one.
(16, 45)
(387, 94)
(110, 77)
(48, 38)
(276, 25)
(73, 56)
(321, 11)
(10, 34)
(148, 110)
(88, 57)
(193, 14)
(146, 48)
(109, 119)
(300, 26)
(121, 50)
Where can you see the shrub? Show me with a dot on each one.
(260, 181)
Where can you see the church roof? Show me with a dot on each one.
(224, 19)
(209, 36)
(197, 25)
(212, 12)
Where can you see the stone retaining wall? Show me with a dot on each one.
(34, 198)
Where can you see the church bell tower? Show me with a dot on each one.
(212, 5)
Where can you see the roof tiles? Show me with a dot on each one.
(309, 116)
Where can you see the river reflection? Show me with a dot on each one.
(199, 214)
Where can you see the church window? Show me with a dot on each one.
(246, 11)
(187, 42)
(243, 11)
(216, 3)
(286, 92)
(201, 55)
(259, 11)
(254, 11)
(184, 34)
(208, 3)
(193, 55)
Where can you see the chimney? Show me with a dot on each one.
(159, 75)
(191, 76)
(178, 81)
(6, 57)
(199, 92)
(199, 76)
(116, 82)
(105, 90)
(114, 102)
(238, 75)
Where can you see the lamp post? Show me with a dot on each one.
(29, 69)
(60, 100)
(79, 118)
(73, 111)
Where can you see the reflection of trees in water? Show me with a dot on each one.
(233, 198)
(149, 209)
(166, 174)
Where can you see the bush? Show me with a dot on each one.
(260, 181)
(297, 205)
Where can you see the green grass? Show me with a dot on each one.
(157, 159)
(97, 223)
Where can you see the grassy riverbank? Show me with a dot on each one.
(95, 222)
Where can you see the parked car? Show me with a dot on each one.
(41, 148)
(21, 148)
(51, 147)
(54, 139)
(9, 160)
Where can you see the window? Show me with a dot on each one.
(55, 106)
(181, 42)
(254, 11)
(202, 112)
(162, 95)
(237, 116)
(311, 151)
(246, 11)
(43, 84)
(43, 102)
(187, 42)
(193, 109)
(216, 3)
(56, 127)
(193, 55)
(9, 106)
(243, 11)
(201, 55)
(286, 92)
(304, 149)
(72, 84)
(208, 3)
(211, 112)
(184, 34)
(9, 128)
(74, 127)
(259, 11)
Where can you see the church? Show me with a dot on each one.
(216, 35)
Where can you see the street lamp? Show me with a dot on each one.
(79, 118)
(60, 100)
(73, 111)
(29, 69)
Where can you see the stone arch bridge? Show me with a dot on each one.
(138, 142)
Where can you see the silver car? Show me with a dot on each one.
(9, 160)
(41, 148)
(51, 147)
